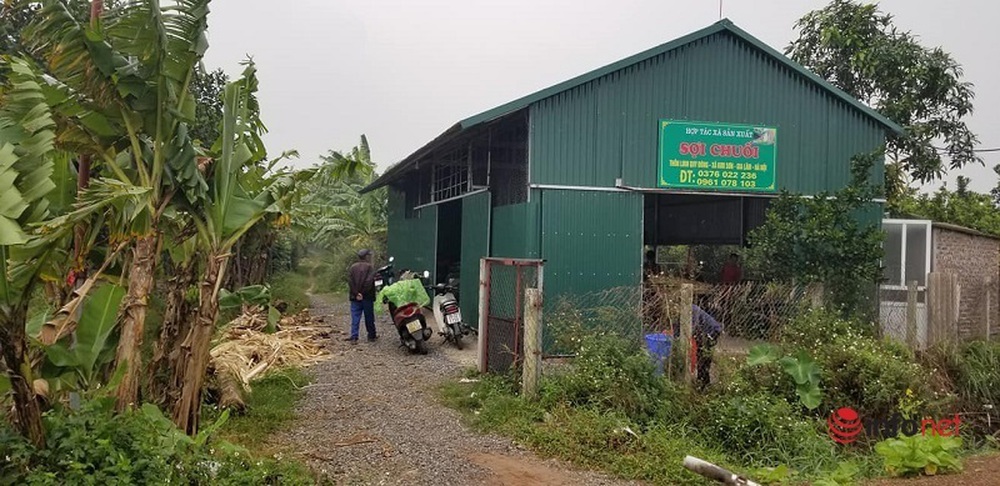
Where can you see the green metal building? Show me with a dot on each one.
(685, 143)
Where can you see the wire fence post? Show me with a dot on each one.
(484, 312)
(911, 314)
(686, 351)
(816, 293)
(532, 369)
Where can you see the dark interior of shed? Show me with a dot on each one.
(693, 234)
(449, 240)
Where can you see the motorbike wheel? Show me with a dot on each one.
(457, 337)
(421, 347)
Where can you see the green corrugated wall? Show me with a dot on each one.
(516, 228)
(475, 245)
(413, 242)
(590, 240)
(607, 129)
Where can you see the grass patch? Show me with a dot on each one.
(291, 288)
(586, 436)
(270, 407)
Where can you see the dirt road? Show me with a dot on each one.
(371, 416)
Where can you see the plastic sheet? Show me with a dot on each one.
(403, 292)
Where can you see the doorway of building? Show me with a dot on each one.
(449, 241)
(694, 235)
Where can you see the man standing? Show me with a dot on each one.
(361, 288)
(732, 272)
(706, 332)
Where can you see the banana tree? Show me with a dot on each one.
(241, 194)
(27, 132)
(137, 64)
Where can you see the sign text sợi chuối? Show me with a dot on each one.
(718, 157)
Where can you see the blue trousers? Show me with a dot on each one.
(368, 308)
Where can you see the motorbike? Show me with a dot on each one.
(406, 313)
(384, 276)
(447, 313)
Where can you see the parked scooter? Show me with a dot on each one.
(447, 314)
(384, 276)
(404, 300)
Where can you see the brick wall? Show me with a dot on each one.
(975, 260)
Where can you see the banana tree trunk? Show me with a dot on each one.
(133, 318)
(176, 324)
(192, 364)
(15, 347)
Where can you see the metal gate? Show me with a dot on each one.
(502, 283)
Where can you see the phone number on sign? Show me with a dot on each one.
(718, 178)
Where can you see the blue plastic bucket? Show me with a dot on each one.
(659, 349)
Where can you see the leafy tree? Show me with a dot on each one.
(207, 88)
(821, 239)
(961, 207)
(242, 192)
(125, 78)
(857, 48)
(333, 214)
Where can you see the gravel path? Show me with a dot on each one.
(371, 416)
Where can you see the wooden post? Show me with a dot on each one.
(815, 292)
(911, 315)
(484, 310)
(942, 307)
(683, 347)
(531, 372)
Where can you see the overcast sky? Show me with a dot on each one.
(402, 72)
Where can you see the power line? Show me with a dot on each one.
(981, 150)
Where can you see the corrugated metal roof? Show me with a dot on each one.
(524, 102)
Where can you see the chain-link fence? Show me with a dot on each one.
(503, 286)
(749, 312)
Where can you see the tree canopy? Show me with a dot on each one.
(858, 48)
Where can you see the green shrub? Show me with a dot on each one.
(858, 370)
(96, 446)
(612, 375)
(928, 454)
(763, 430)
(814, 328)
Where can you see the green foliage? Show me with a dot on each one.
(844, 475)
(207, 89)
(585, 436)
(249, 295)
(928, 454)
(610, 375)
(821, 239)
(857, 48)
(802, 368)
(291, 288)
(333, 215)
(78, 361)
(858, 370)
(270, 407)
(961, 207)
(973, 370)
(96, 446)
(763, 430)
